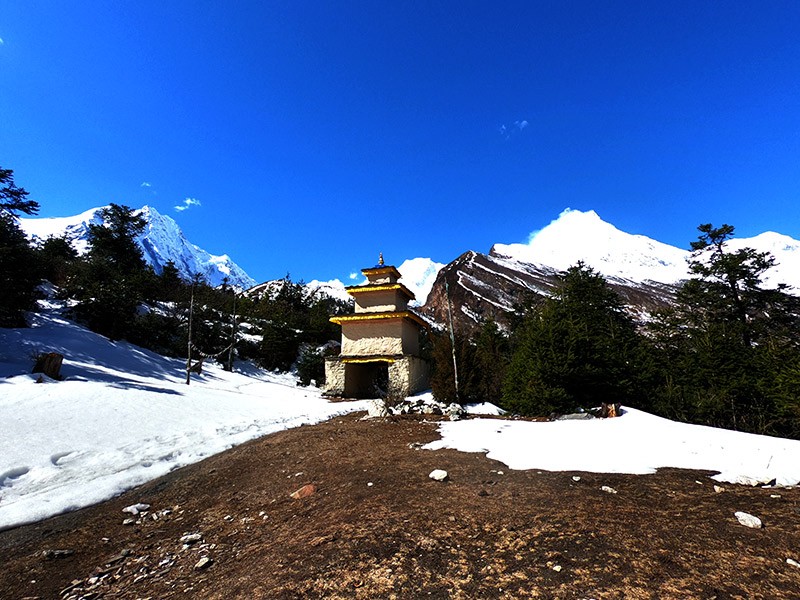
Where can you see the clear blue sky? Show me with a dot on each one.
(315, 135)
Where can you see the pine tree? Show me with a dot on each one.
(19, 269)
(577, 349)
(14, 199)
(727, 351)
(58, 260)
(112, 282)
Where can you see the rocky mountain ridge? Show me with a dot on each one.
(646, 273)
(161, 242)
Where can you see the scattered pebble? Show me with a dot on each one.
(129, 521)
(191, 538)
(203, 563)
(719, 489)
(557, 568)
(576, 478)
(135, 509)
(369, 484)
(304, 492)
(438, 475)
(608, 489)
(50, 554)
(794, 563)
(748, 520)
(774, 495)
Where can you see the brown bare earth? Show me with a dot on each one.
(378, 527)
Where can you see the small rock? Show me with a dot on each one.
(438, 475)
(369, 484)
(191, 538)
(135, 509)
(227, 518)
(304, 492)
(557, 568)
(608, 490)
(203, 563)
(129, 521)
(483, 493)
(719, 489)
(748, 520)
(50, 554)
(576, 478)
(774, 495)
(376, 409)
(794, 563)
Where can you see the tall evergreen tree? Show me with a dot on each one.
(728, 351)
(115, 274)
(14, 199)
(58, 260)
(19, 272)
(575, 350)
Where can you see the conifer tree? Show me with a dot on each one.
(19, 272)
(112, 282)
(577, 349)
(727, 352)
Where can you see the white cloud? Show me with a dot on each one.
(508, 131)
(1, 41)
(353, 276)
(188, 202)
(146, 184)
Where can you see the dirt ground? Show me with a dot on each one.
(378, 527)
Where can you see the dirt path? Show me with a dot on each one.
(378, 527)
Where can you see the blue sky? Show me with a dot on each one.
(305, 137)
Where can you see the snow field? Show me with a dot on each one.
(636, 442)
(121, 417)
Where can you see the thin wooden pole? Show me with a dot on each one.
(233, 335)
(452, 335)
(189, 340)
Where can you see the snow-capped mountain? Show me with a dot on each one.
(417, 274)
(161, 242)
(584, 236)
(643, 271)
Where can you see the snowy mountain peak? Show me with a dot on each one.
(418, 275)
(161, 242)
(583, 236)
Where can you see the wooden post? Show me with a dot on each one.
(229, 364)
(49, 363)
(189, 340)
(452, 335)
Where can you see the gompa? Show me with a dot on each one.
(380, 356)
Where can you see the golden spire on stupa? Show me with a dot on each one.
(380, 258)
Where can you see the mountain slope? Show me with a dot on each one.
(481, 287)
(643, 271)
(161, 242)
(584, 236)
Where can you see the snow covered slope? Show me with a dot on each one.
(161, 242)
(122, 416)
(639, 443)
(418, 275)
(577, 235)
